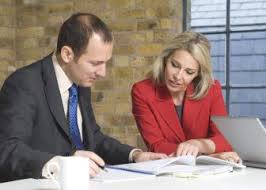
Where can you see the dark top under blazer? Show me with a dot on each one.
(33, 126)
(159, 125)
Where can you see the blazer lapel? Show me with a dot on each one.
(53, 95)
(165, 106)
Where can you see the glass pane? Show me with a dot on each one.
(218, 56)
(248, 15)
(208, 15)
(248, 59)
(224, 95)
(248, 102)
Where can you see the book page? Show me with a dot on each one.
(151, 167)
(211, 160)
(114, 175)
(194, 171)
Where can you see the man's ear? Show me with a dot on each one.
(67, 54)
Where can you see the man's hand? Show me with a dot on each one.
(229, 156)
(95, 161)
(139, 156)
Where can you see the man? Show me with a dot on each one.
(45, 108)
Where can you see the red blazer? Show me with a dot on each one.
(158, 122)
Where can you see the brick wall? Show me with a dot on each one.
(140, 28)
(7, 37)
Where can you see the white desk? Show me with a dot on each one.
(247, 179)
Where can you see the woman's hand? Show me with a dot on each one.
(190, 147)
(229, 156)
(194, 147)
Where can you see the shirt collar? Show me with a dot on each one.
(63, 81)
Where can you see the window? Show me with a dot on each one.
(237, 32)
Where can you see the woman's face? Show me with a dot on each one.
(180, 70)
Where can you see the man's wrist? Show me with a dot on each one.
(133, 154)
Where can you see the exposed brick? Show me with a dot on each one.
(7, 32)
(141, 61)
(148, 25)
(97, 96)
(104, 108)
(30, 32)
(7, 10)
(123, 25)
(121, 3)
(166, 23)
(123, 49)
(7, 21)
(56, 8)
(152, 3)
(141, 72)
(143, 37)
(7, 2)
(52, 30)
(149, 49)
(135, 14)
(122, 72)
(33, 53)
(26, 21)
(103, 84)
(6, 43)
(121, 60)
(119, 120)
(27, 43)
(122, 108)
(30, 9)
(164, 36)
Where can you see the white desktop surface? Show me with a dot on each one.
(249, 178)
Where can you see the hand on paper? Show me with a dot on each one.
(189, 147)
(229, 156)
(139, 156)
(95, 161)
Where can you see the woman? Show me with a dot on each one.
(173, 107)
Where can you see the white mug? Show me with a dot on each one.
(72, 173)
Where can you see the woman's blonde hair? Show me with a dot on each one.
(199, 48)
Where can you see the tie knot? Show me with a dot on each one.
(73, 90)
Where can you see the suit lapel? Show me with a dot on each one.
(53, 95)
(165, 106)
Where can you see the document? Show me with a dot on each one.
(115, 175)
(187, 164)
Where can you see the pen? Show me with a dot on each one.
(103, 168)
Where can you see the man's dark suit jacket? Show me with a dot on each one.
(33, 126)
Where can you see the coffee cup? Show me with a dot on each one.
(71, 173)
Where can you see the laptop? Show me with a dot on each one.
(247, 137)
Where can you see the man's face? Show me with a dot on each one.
(91, 65)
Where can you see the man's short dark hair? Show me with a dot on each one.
(77, 30)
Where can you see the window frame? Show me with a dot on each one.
(227, 32)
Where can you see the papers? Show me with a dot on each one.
(194, 171)
(153, 166)
(115, 175)
(184, 166)
(211, 160)
(156, 167)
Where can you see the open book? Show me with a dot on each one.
(182, 164)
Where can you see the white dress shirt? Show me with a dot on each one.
(64, 83)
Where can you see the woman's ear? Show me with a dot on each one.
(67, 54)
